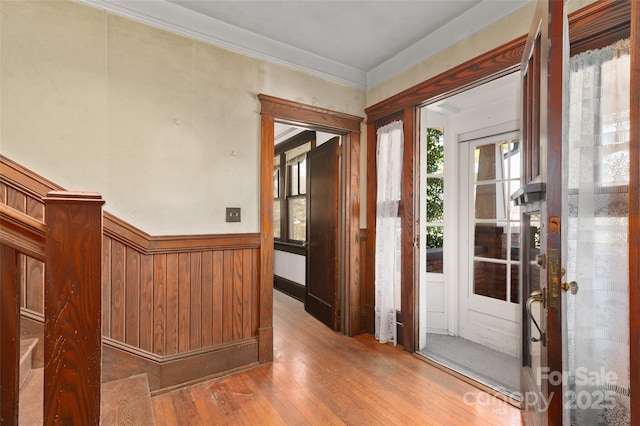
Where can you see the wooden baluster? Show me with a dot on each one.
(9, 331)
(72, 341)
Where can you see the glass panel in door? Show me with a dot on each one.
(496, 221)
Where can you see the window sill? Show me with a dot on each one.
(296, 248)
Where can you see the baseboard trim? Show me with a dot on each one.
(166, 375)
(292, 288)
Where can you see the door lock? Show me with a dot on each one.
(537, 296)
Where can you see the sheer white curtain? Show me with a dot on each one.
(387, 270)
(597, 244)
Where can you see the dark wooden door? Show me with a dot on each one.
(321, 299)
(541, 201)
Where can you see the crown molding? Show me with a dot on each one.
(173, 18)
(176, 19)
(461, 27)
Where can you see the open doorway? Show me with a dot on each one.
(306, 217)
(348, 127)
(469, 234)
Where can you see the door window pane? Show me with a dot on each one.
(490, 279)
(434, 200)
(491, 241)
(435, 242)
(435, 151)
(496, 228)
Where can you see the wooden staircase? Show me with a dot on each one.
(31, 385)
(123, 402)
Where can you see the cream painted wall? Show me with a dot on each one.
(165, 127)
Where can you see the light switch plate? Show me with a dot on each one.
(233, 214)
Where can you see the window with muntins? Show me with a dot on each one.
(290, 189)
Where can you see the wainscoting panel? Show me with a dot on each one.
(165, 299)
(170, 303)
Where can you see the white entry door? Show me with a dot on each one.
(490, 243)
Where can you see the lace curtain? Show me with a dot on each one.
(597, 244)
(387, 270)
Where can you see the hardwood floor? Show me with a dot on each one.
(319, 377)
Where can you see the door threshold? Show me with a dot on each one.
(471, 378)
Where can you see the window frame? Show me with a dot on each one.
(285, 242)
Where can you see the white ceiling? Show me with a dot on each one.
(360, 43)
(501, 89)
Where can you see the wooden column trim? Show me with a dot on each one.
(73, 304)
(265, 330)
(351, 212)
(409, 229)
(372, 188)
(9, 332)
(634, 216)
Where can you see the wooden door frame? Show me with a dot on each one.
(541, 128)
(274, 109)
(596, 25)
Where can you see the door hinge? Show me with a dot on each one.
(339, 151)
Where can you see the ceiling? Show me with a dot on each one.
(360, 43)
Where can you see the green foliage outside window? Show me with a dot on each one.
(435, 187)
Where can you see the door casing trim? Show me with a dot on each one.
(348, 126)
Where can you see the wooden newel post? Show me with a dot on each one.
(72, 308)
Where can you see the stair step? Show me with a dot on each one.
(31, 399)
(123, 402)
(26, 350)
(126, 402)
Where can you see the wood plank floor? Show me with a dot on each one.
(319, 377)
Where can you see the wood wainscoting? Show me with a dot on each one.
(169, 303)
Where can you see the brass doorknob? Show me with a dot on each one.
(573, 286)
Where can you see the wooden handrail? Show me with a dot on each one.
(21, 232)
